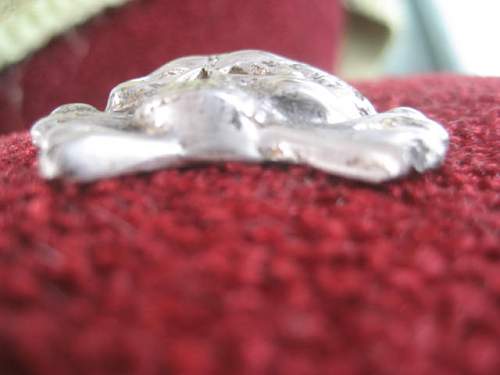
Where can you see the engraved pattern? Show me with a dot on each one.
(243, 106)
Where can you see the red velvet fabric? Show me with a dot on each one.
(261, 269)
(136, 39)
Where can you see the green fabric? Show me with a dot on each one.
(26, 25)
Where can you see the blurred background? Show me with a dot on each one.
(395, 37)
(381, 37)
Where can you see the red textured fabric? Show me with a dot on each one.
(261, 269)
(136, 39)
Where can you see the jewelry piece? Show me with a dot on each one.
(249, 106)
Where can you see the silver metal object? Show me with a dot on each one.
(249, 106)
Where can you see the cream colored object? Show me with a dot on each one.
(26, 25)
(371, 28)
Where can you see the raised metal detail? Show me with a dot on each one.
(242, 106)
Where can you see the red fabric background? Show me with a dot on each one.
(245, 269)
(250, 269)
(134, 40)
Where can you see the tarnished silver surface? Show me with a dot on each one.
(242, 106)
